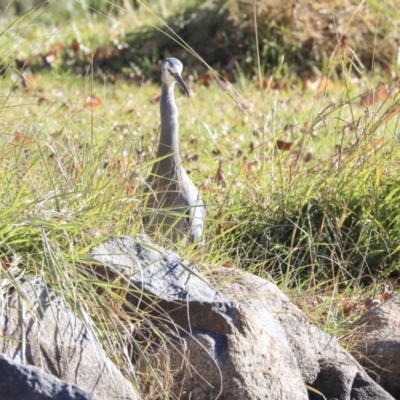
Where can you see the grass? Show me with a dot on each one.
(299, 177)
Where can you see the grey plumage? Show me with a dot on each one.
(175, 207)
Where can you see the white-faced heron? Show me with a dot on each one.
(175, 207)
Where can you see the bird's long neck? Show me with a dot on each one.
(169, 138)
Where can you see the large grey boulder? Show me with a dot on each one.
(378, 344)
(219, 348)
(22, 382)
(324, 364)
(37, 328)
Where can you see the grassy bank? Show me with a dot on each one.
(300, 174)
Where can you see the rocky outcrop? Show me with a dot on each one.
(324, 364)
(22, 382)
(378, 348)
(221, 349)
(247, 341)
(37, 328)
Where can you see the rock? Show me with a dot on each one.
(153, 269)
(247, 363)
(19, 382)
(378, 348)
(37, 328)
(219, 348)
(324, 364)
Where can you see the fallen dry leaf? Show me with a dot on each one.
(373, 96)
(31, 80)
(57, 48)
(249, 166)
(219, 176)
(206, 79)
(370, 302)
(75, 47)
(281, 145)
(19, 138)
(307, 157)
(128, 189)
(343, 42)
(92, 101)
(155, 99)
(377, 143)
(351, 306)
(321, 85)
(194, 157)
(227, 265)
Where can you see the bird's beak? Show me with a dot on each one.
(182, 84)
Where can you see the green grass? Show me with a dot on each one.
(319, 218)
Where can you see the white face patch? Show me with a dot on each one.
(171, 72)
(173, 66)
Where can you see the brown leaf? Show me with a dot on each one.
(378, 94)
(41, 100)
(128, 189)
(57, 48)
(228, 265)
(219, 176)
(281, 145)
(75, 47)
(288, 127)
(216, 152)
(92, 101)
(384, 296)
(279, 86)
(343, 42)
(112, 78)
(206, 79)
(6, 262)
(229, 76)
(350, 306)
(308, 157)
(266, 82)
(368, 99)
(21, 63)
(370, 302)
(248, 167)
(293, 156)
(304, 128)
(119, 163)
(155, 99)
(194, 157)
(377, 143)
(19, 138)
(387, 291)
(31, 79)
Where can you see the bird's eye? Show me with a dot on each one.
(170, 71)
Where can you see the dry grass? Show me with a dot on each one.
(300, 176)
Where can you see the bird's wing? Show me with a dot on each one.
(196, 210)
(197, 213)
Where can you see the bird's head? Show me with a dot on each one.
(171, 73)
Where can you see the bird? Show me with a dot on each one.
(174, 204)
